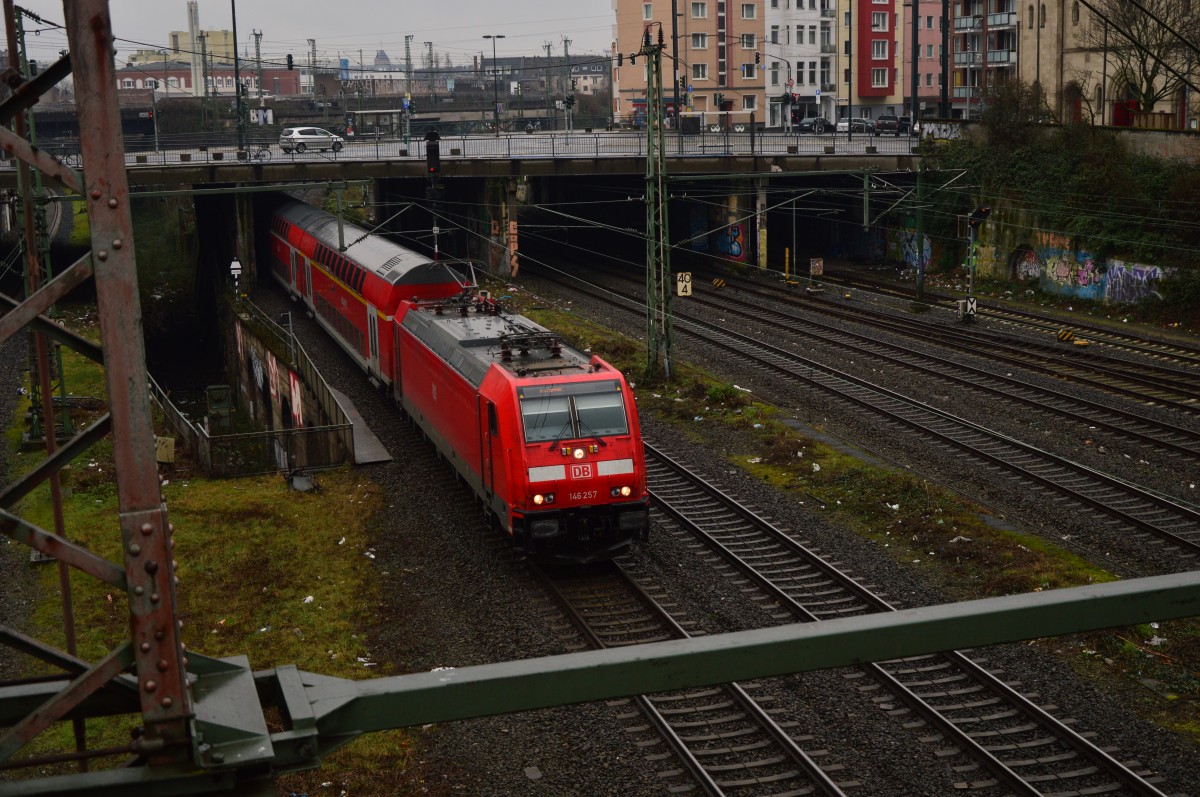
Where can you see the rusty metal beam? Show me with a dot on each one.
(62, 549)
(46, 296)
(41, 160)
(75, 446)
(149, 566)
(56, 332)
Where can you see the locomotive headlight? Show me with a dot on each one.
(622, 492)
(578, 453)
(540, 498)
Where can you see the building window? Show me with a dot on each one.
(750, 71)
(928, 78)
(929, 51)
(1031, 16)
(1042, 16)
(699, 41)
(929, 23)
(749, 11)
(879, 78)
(749, 41)
(799, 71)
(879, 50)
(879, 21)
(812, 34)
(127, 83)
(846, 24)
(774, 73)
(749, 102)
(699, 71)
(812, 72)
(774, 34)
(699, 10)
(1075, 13)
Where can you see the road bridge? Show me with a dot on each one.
(538, 154)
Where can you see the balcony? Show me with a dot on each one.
(1001, 57)
(828, 13)
(827, 88)
(1005, 19)
(828, 48)
(964, 92)
(967, 59)
(968, 23)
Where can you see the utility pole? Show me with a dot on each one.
(408, 65)
(258, 64)
(237, 83)
(920, 229)
(204, 68)
(944, 111)
(549, 94)
(915, 82)
(658, 240)
(850, 78)
(566, 79)
(312, 67)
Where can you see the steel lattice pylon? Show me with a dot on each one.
(158, 688)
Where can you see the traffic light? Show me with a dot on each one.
(433, 152)
(574, 84)
(33, 68)
(757, 57)
(151, 115)
(621, 59)
(978, 216)
(720, 99)
(289, 59)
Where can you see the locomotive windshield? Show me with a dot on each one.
(570, 411)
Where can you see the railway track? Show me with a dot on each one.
(994, 736)
(1173, 439)
(1168, 386)
(1168, 351)
(1103, 499)
(719, 739)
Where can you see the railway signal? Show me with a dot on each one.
(433, 152)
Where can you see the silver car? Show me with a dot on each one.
(299, 139)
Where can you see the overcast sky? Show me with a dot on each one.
(344, 27)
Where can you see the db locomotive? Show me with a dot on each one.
(547, 437)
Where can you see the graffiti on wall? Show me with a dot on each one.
(1059, 269)
(1131, 282)
(731, 242)
(901, 245)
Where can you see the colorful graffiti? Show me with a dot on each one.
(730, 244)
(1069, 273)
(1131, 282)
(901, 246)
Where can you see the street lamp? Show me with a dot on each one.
(495, 82)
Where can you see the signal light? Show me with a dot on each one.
(433, 152)
(757, 57)
(289, 60)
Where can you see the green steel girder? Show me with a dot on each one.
(321, 713)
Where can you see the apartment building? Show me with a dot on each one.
(870, 78)
(985, 51)
(712, 47)
(799, 53)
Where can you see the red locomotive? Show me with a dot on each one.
(547, 437)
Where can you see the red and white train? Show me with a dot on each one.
(546, 436)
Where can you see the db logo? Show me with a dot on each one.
(581, 471)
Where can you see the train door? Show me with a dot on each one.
(293, 274)
(373, 338)
(308, 282)
(489, 450)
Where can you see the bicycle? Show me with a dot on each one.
(260, 152)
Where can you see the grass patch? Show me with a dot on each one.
(251, 554)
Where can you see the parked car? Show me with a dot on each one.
(887, 123)
(855, 125)
(813, 124)
(906, 125)
(302, 138)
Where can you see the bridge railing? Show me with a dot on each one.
(262, 148)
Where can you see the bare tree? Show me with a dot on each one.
(1143, 52)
